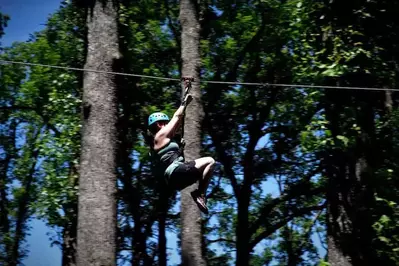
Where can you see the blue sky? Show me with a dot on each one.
(27, 16)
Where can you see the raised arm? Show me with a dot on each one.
(169, 130)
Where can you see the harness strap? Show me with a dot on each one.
(187, 88)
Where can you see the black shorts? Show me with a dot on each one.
(185, 175)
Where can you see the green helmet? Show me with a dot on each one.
(157, 117)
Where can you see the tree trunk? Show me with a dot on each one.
(242, 232)
(350, 193)
(162, 257)
(9, 150)
(139, 243)
(367, 160)
(97, 182)
(69, 243)
(338, 221)
(70, 227)
(164, 205)
(192, 250)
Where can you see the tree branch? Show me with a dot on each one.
(308, 232)
(215, 188)
(162, 204)
(321, 241)
(22, 213)
(46, 120)
(224, 158)
(302, 188)
(271, 229)
(210, 241)
(17, 107)
(233, 72)
(255, 133)
(10, 150)
(232, 75)
(172, 27)
(38, 111)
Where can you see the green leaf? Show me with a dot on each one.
(384, 239)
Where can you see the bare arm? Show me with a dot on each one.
(168, 131)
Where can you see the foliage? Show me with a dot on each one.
(3, 23)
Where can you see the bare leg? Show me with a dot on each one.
(206, 177)
(206, 166)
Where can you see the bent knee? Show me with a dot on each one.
(211, 160)
(208, 160)
(203, 162)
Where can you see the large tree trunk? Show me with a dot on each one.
(339, 226)
(139, 242)
(10, 150)
(192, 250)
(164, 205)
(162, 257)
(368, 156)
(242, 232)
(350, 187)
(97, 183)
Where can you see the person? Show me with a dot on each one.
(169, 156)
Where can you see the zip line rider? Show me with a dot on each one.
(169, 155)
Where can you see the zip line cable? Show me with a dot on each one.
(201, 81)
(86, 70)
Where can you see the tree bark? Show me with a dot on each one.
(192, 249)
(162, 257)
(350, 186)
(242, 230)
(97, 183)
(338, 222)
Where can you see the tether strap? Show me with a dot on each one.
(187, 88)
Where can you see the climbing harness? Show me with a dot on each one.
(170, 160)
(178, 158)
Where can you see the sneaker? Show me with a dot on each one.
(200, 201)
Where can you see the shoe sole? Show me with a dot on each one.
(199, 205)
